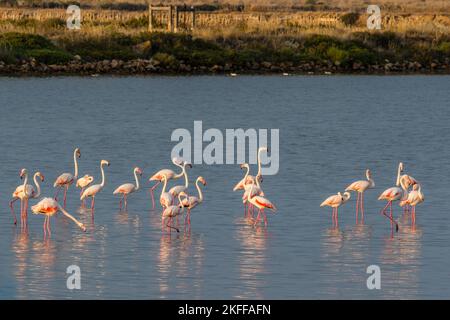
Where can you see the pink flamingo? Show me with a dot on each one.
(247, 177)
(49, 207)
(169, 174)
(128, 188)
(24, 192)
(253, 190)
(96, 188)
(66, 179)
(393, 194)
(360, 187)
(335, 201)
(172, 211)
(406, 182)
(261, 203)
(414, 198)
(190, 202)
(174, 191)
(82, 183)
(166, 198)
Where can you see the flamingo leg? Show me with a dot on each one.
(57, 193)
(390, 209)
(337, 217)
(11, 205)
(65, 195)
(120, 204)
(126, 202)
(93, 203)
(257, 218)
(413, 215)
(25, 213)
(152, 193)
(170, 226)
(44, 226)
(48, 227)
(245, 209)
(265, 218)
(362, 206)
(357, 206)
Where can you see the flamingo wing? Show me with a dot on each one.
(125, 188)
(65, 178)
(174, 191)
(358, 186)
(391, 194)
(263, 202)
(161, 173)
(332, 201)
(45, 206)
(91, 191)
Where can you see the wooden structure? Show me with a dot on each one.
(172, 15)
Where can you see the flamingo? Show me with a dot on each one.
(174, 191)
(173, 211)
(49, 207)
(23, 196)
(254, 190)
(335, 201)
(169, 174)
(247, 177)
(190, 201)
(406, 182)
(393, 194)
(261, 203)
(84, 182)
(414, 198)
(66, 179)
(166, 198)
(361, 186)
(96, 188)
(128, 188)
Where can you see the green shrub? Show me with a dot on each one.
(337, 55)
(53, 23)
(21, 42)
(49, 56)
(166, 60)
(350, 19)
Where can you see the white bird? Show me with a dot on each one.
(96, 188)
(128, 188)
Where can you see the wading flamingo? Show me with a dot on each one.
(82, 183)
(247, 177)
(414, 198)
(66, 179)
(261, 203)
(174, 191)
(335, 201)
(406, 182)
(96, 188)
(190, 202)
(254, 190)
(128, 188)
(393, 194)
(166, 198)
(360, 187)
(24, 196)
(169, 174)
(172, 211)
(49, 207)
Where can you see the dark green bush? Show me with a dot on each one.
(49, 56)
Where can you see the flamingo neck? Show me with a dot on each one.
(246, 174)
(200, 193)
(250, 192)
(68, 215)
(38, 187)
(259, 163)
(186, 180)
(180, 202)
(398, 176)
(103, 176)
(137, 180)
(164, 186)
(75, 161)
(177, 176)
(25, 181)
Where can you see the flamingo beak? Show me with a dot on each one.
(42, 178)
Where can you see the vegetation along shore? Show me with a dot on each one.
(253, 40)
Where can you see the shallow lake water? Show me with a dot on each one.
(331, 130)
